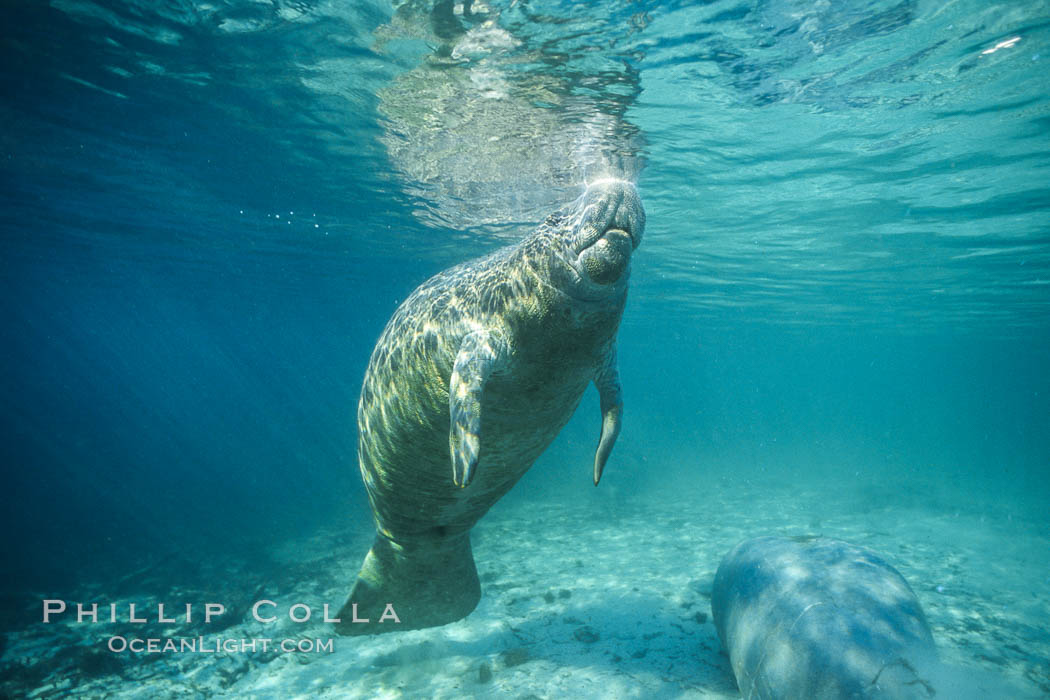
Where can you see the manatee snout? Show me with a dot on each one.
(610, 227)
(607, 259)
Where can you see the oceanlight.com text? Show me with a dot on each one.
(215, 645)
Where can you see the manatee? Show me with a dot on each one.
(472, 378)
(814, 618)
(820, 619)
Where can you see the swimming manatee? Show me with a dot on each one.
(473, 377)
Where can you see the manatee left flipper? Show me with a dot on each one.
(479, 353)
(611, 397)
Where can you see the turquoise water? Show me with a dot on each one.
(210, 210)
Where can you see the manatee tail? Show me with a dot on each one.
(411, 585)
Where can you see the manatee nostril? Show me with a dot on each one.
(626, 213)
(606, 208)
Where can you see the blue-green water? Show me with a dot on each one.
(210, 210)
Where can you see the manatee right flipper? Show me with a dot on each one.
(611, 397)
(478, 355)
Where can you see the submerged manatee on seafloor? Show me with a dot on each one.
(814, 618)
(474, 375)
(819, 619)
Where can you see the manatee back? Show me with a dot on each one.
(820, 619)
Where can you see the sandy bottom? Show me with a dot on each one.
(609, 599)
